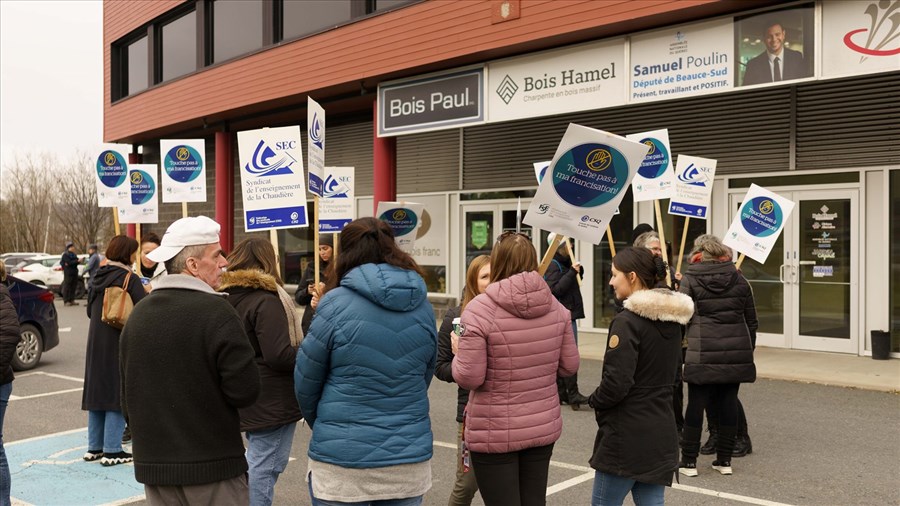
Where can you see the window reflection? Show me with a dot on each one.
(179, 46)
(303, 17)
(138, 66)
(237, 28)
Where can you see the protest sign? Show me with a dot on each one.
(315, 146)
(143, 205)
(112, 176)
(693, 186)
(183, 175)
(404, 219)
(758, 223)
(585, 183)
(337, 206)
(654, 178)
(272, 182)
(540, 168)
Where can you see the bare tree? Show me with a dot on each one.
(75, 204)
(26, 199)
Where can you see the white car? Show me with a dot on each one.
(45, 270)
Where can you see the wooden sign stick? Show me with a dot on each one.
(662, 241)
(572, 258)
(687, 221)
(184, 212)
(116, 219)
(612, 244)
(548, 256)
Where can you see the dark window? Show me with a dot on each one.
(179, 46)
(302, 17)
(381, 5)
(138, 66)
(894, 252)
(237, 28)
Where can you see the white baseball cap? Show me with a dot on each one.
(193, 231)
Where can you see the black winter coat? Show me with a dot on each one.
(303, 297)
(636, 435)
(722, 333)
(561, 278)
(9, 335)
(69, 262)
(443, 369)
(101, 368)
(253, 295)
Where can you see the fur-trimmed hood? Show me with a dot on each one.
(661, 304)
(248, 278)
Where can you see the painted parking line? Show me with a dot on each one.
(66, 329)
(49, 470)
(14, 397)
(589, 475)
(45, 394)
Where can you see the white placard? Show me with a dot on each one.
(337, 207)
(431, 236)
(682, 61)
(111, 175)
(693, 186)
(859, 37)
(575, 78)
(183, 175)
(404, 218)
(272, 182)
(758, 223)
(585, 183)
(143, 187)
(655, 178)
(315, 146)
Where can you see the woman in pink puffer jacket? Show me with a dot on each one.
(516, 337)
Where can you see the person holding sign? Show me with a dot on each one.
(363, 372)
(307, 291)
(515, 339)
(562, 278)
(636, 448)
(721, 337)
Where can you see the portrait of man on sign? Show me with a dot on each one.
(775, 46)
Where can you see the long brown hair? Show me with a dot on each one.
(511, 255)
(471, 290)
(255, 253)
(368, 241)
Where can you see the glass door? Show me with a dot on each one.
(483, 223)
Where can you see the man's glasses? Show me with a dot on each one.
(510, 233)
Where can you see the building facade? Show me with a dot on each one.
(450, 103)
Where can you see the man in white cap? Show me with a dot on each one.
(186, 367)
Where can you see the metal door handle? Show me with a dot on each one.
(781, 273)
(807, 262)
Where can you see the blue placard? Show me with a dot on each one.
(270, 218)
(689, 210)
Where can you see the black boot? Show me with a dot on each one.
(724, 448)
(742, 446)
(709, 447)
(574, 396)
(690, 448)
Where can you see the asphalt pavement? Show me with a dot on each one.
(813, 444)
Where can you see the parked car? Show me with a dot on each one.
(14, 260)
(45, 270)
(38, 322)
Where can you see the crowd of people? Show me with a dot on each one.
(216, 367)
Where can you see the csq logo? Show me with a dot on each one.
(598, 159)
(586, 218)
(399, 215)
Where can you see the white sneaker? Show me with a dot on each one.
(688, 469)
(722, 467)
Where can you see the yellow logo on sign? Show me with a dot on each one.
(136, 178)
(182, 153)
(652, 146)
(399, 214)
(766, 207)
(110, 159)
(598, 159)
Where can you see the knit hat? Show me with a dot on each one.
(326, 240)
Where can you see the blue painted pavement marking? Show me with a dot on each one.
(49, 470)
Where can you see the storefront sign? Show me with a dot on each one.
(112, 176)
(784, 34)
(575, 78)
(272, 182)
(693, 186)
(431, 103)
(183, 176)
(404, 219)
(654, 179)
(337, 206)
(585, 183)
(860, 37)
(143, 190)
(682, 61)
(758, 223)
(315, 146)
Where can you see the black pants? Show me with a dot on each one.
(678, 394)
(68, 286)
(513, 479)
(712, 417)
(725, 398)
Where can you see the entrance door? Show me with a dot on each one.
(806, 293)
(483, 223)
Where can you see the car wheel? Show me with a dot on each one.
(29, 350)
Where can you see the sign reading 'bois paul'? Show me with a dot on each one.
(431, 103)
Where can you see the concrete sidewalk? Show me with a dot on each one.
(794, 365)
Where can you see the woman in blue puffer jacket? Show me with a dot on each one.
(363, 371)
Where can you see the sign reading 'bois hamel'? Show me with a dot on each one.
(431, 103)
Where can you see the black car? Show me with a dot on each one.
(38, 322)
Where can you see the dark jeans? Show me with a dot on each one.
(68, 286)
(514, 479)
(712, 417)
(700, 396)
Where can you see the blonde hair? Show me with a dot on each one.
(512, 255)
(471, 290)
(710, 248)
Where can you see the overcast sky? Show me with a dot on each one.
(51, 76)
